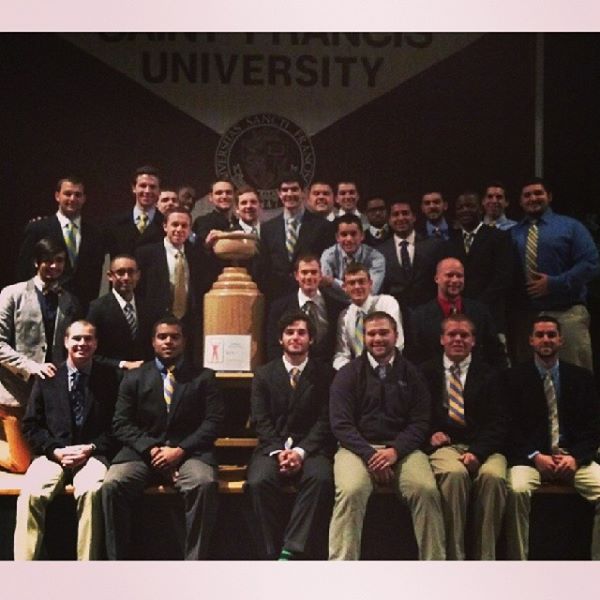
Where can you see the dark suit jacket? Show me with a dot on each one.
(374, 242)
(485, 412)
(423, 334)
(279, 412)
(48, 422)
(213, 220)
(320, 351)
(123, 237)
(114, 336)
(316, 234)
(142, 422)
(417, 285)
(83, 281)
(578, 413)
(488, 268)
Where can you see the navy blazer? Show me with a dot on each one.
(123, 237)
(48, 421)
(279, 412)
(142, 422)
(82, 280)
(485, 410)
(578, 413)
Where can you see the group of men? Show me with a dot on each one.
(114, 401)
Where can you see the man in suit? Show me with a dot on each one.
(423, 335)
(379, 412)
(81, 240)
(167, 417)
(289, 410)
(285, 237)
(554, 432)
(34, 315)
(67, 424)
(467, 432)
(319, 200)
(377, 214)
(410, 260)
(172, 278)
(318, 303)
(350, 326)
(487, 256)
(123, 327)
(144, 224)
(348, 249)
(433, 208)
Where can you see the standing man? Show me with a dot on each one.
(377, 215)
(144, 224)
(81, 240)
(248, 209)
(290, 412)
(122, 324)
(433, 208)
(67, 425)
(468, 428)
(554, 432)
(321, 305)
(410, 260)
(557, 258)
(350, 249)
(167, 200)
(167, 417)
(423, 340)
(221, 197)
(34, 316)
(285, 237)
(379, 411)
(350, 340)
(320, 200)
(495, 204)
(347, 199)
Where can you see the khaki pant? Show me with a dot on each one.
(414, 482)
(488, 491)
(523, 481)
(43, 481)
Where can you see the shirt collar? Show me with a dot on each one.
(288, 365)
(171, 249)
(71, 368)
(410, 238)
(137, 211)
(446, 305)
(122, 302)
(248, 228)
(297, 217)
(542, 369)
(162, 367)
(64, 220)
(474, 231)
(463, 365)
(442, 226)
(375, 364)
(303, 298)
(366, 304)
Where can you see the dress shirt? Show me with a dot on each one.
(376, 365)
(472, 233)
(347, 322)
(162, 368)
(248, 228)
(64, 221)
(71, 368)
(172, 261)
(297, 217)
(122, 302)
(378, 232)
(447, 306)
(319, 303)
(333, 264)
(502, 222)
(442, 226)
(137, 211)
(410, 247)
(566, 253)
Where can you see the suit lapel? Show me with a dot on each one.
(63, 402)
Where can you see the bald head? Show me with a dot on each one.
(450, 278)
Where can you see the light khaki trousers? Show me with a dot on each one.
(523, 481)
(487, 491)
(413, 481)
(43, 481)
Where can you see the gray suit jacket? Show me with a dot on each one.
(23, 338)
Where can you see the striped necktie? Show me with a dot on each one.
(77, 396)
(142, 222)
(294, 377)
(179, 291)
(131, 319)
(291, 237)
(456, 405)
(169, 386)
(468, 239)
(71, 242)
(550, 393)
(359, 333)
(531, 249)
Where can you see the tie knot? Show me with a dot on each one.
(455, 370)
(294, 376)
(403, 244)
(382, 371)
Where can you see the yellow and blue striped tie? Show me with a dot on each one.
(456, 404)
(71, 242)
(169, 386)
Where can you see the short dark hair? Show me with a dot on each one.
(381, 314)
(494, 183)
(291, 317)
(168, 320)
(348, 181)
(355, 267)
(245, 189)
(545, 319)
(409, 203)
(347, 219)
(178, 209)
(74, 179)
(127, 256)
(221, 180)
(145, 170)
(81, 322)
(306, 257)
(290, 177)
(458, 318)
(319, 182)
(536, 180)
(47, 249)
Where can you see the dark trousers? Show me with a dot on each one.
(125, 483)
(311, 509)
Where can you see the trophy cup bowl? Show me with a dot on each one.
(235, 245)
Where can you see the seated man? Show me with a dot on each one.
(554, 432)
(379, 411)
(289, 410)
(167, 417)
(467, 431)
(350, 327)
(321, 305)
(67, 424)
(350, 249)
